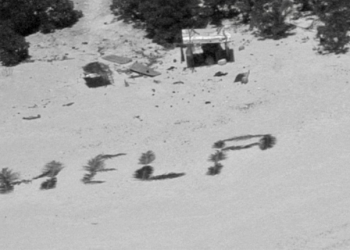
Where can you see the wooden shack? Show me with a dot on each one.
(204, 46)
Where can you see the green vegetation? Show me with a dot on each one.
(93, 166)
(50, 170)
(97, 164)
(7, 180)
(219, 144)
(145, 172)
(49, 184)
(216, 158)
(147, 158)
(20, 18)
(266, 142)
(13, 47)
(336, 17)
(163, 20)
(268, 16)
(26, 17)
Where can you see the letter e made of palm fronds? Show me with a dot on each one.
(93, 166)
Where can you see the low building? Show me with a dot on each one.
(204, 46)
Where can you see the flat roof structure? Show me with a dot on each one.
(203, 36)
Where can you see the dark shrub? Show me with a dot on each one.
(336, 17)
(128, 10)
(28, 16)
(13, 47)
(268, 16)
(49, 184)
(24, 17)
(305, 5)
(333, 39)
(144, 173)
(163, 20)
(58, 14)
(20, 15)
(219, 9)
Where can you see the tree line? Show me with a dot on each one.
(163, 20)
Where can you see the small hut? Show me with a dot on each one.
(204, 46)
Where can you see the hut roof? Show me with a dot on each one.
(201, 36)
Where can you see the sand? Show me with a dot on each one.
(293, 196)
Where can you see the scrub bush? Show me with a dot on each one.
(13, 47)
(20, 18)
(335, 15)
(29, 16)
(268, 16)
(163, 20)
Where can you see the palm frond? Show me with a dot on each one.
(49, 184)
(7, 180)
(22, 181)
(243, 137)
(167, 176)
(144, 173)
(95, 164)
(147, 158)
(241, 147)
(111, 156)
(219, 144)
(7, 176)
(88, 177)
(4, 189)
(217, 156)
(216, 169)
(268, 141)
(52, 168)
(107, 170)
(40, 176)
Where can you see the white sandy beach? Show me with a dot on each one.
(295, 196)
